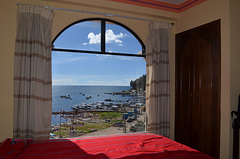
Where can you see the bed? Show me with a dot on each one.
(124, 146)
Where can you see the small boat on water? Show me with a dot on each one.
(108, 100)
(75, 107)
(108, 104)
(90, 104)
(67, 96)
(88, 97)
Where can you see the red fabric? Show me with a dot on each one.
(126, 146)
(11, 148)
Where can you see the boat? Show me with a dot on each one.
(67, 96)
(107, 100)
(88, 97)
(90, 104)
(84, 106)
(108, 104)
(75, 107)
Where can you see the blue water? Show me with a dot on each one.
(97, 93)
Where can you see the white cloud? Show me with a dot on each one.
(114, 38)
(90, 81)
(107, 83)
(63, 81)
(103, 55)
(67, 59)
(94, 39)
(71, 79)
(84, 43)
(110, 38)
(126, 58)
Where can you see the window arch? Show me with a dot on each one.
(103, 36)
(95, 73)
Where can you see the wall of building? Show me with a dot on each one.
(208, 11)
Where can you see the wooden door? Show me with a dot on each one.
(184, 75)
(197, 105)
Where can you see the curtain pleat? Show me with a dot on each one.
(158, 80)
(32, 73)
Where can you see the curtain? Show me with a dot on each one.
(32, 73)
(157, 82)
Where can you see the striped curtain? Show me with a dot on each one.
(32, 73)
(157, 83)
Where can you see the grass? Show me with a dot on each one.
(87, 128)
(110, 115)
(63, 133)
(93, 126)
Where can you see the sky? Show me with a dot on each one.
(95, 69)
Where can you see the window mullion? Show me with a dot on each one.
(103, 38)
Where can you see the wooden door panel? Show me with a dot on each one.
(198, 73)
(196, 108)
(185, 48)
(209, 40)
(206, 94)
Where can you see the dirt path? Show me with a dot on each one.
(108, 131)
(114, 130)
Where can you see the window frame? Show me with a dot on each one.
(103, 39)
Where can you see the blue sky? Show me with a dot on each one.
(91, 69)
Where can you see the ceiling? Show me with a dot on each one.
(168, 5)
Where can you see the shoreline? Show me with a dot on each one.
(93, 125)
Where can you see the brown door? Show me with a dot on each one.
(198, 74)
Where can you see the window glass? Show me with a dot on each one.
(96, 94)
(118, 39)
(81, 36)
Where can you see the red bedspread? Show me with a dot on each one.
(127, 146)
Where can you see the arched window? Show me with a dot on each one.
(100, 36)
(96, 81)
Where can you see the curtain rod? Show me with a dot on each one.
(98, 13)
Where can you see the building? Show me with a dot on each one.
(207, 11)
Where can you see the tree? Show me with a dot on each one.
(139, 83)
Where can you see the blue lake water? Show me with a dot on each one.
(96, 92)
